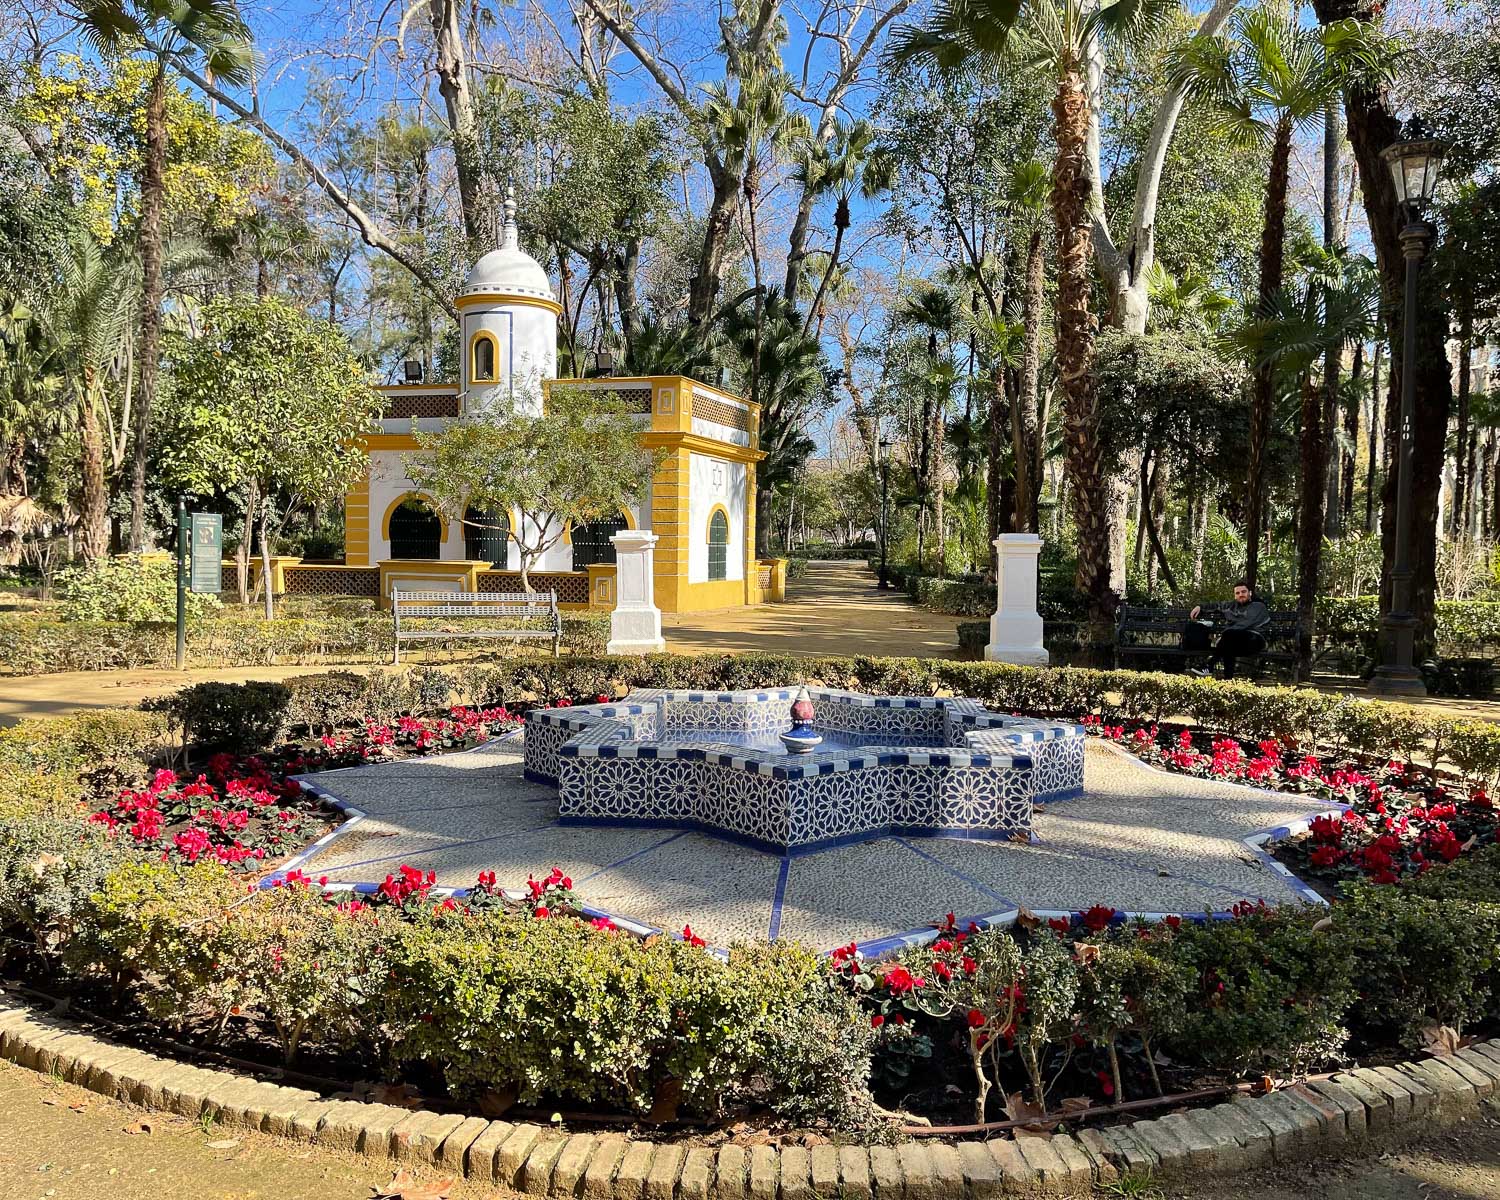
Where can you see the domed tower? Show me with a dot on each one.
(508, 325)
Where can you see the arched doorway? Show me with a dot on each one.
(487, 537)
(415, 531)
(591, 542)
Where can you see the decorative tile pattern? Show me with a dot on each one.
(653, 760)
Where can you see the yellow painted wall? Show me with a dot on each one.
(357, 523)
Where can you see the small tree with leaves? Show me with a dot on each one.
(578, 460)
(269, 403)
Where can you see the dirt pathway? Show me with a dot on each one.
(51, 1151)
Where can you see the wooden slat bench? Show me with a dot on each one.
(1151, 639)
(538, 611)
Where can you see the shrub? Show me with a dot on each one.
(313, 971)
(48, 868)
(159, 930)
(1271, 992)
(558, 1008)
(1130, 987)
(1419, 962)
(129, 587)
(242, 718)
(1473, 877)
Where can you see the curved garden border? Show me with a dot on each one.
(1292, 1123)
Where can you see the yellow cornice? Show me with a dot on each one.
(492, 298)
(390, 441)
(677, 439)
(437, 389)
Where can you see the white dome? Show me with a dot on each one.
(509, 270)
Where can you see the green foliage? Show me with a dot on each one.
(268, 401)
(1271, 993)
(577, 461)
(243, 718)
(34, 645)
(1420, 962)
(129, 587)
(49, 863)
(557, 1008)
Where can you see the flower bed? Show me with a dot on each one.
(488, 999)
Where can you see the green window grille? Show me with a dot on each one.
(487, 537)
(718, 546)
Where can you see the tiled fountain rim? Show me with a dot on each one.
(616, 739)
(872, 948)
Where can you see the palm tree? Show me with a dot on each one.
(933, 309)
(1295, 331)
(849, 162)
(1270, 76)
(206, 33)
(86, 320)
(970, 35)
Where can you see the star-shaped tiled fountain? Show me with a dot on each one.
(1138, 840)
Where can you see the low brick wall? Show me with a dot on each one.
(1296, 1122)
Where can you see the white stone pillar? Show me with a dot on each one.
(1016, 627)
(635, 624)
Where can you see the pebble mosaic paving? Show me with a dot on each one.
(1138, 839)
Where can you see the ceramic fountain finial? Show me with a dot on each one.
(801, 738)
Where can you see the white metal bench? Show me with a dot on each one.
(538, 607)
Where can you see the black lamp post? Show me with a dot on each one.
(1414, 164)
(885, 490)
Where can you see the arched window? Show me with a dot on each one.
(591, 542)
(416, 531)
(718, 545)
(487, 537)
(482, 368)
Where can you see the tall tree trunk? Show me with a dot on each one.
(94, 525)
(936, 480)
(153, 190)
(265, 556)
(705, 283)
(1375, 427)
(1314, 463)
(1075, 349)
(1002, 414)
(1351, 436)
(627, 264)
(1026, 433)
(1333, 360)
(1262, 402)
(1461, 466)
(1373, 125)
(451, 64)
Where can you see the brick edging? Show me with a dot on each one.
(542, 1161)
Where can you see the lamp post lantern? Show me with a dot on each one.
(885, 488)
(1414, 164)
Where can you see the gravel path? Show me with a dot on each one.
(1139, 840)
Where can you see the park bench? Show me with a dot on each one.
(531, 615)
(1150, 639)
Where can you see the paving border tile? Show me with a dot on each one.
(1246, 1131)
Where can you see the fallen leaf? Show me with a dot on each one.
(225, 1144)
(496, 1102)
(665, 1102)
(1027, 919)
(1031, 1118)
(1075, 1104)
(1440, 1040)
(138, 1127)
(1322, 926)
(1085, 952)
(78, 1108)
(405, 1186)
(53, 1103)
(401, 1095)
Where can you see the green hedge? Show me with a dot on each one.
(1340, 724)
(1461, 626)
(41, 645)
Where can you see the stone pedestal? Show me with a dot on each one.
(635, 624)
(1016, 627)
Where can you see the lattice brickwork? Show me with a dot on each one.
(710, 409)
(570, 588)
(332, 581)
(406, 404)
(763, 576)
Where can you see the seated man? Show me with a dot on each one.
(1244, 618)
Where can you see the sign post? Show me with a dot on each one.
(208, 553)
(182, 582)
